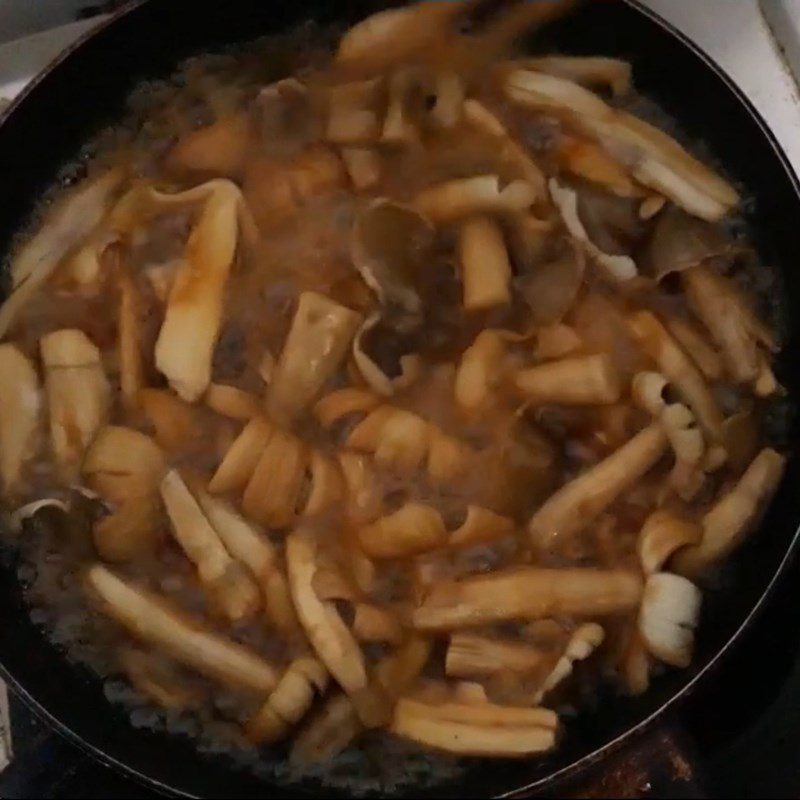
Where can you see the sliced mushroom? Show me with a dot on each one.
(580, 501)
(582, 643)
(476, 730)
(668, 616)
(151, 619)
(662, 534)
(587, 160)
(125, 468)
(329, 636)
(318, 340)
(678, 368)
(481, 367)
(697, 347)
(580, 380)
(740, 335)
(472, 656)
(526, 593)
(485, 268)
(230, 586)
(78, 395)
(619, 268)
(240, 461)
(590, 71)
(290, 700)
(71, 222)
(412, 529)
(733, 515)
(655, 159)
(232, 402)
(188, 335)
(20, 414)
(481, 194)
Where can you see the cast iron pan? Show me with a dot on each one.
(86, 89)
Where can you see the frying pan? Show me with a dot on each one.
(85, 90)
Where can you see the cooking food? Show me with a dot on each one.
(412, 391)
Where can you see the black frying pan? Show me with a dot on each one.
(85, 90)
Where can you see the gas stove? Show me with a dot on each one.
(739, 736)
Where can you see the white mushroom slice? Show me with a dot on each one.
(668, 617)
(678, 369)
(230, 586)
(588, 71)
(485, 268)
(473, 656)
(526, 593)
(72, 220)
(740, 335)
(329, 636)
(465, 197)
(733, 515)
(286, 706)
(78, 395)
(580, 380)
(409, 364)
(619, 268)
(20, 410)
(364, 166)
(580, 501)
(412, 529)
(188, 335)
(654, 158)
(318, 340)
(151, 619)
(582, 643)
(476, 730)
(662, 534)
(353, 114)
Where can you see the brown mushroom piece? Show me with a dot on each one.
(680, 241)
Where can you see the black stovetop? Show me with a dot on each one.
(739, 736)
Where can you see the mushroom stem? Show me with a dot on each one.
(485, 269)
(579, 502)
(526, 594)
(580, 380)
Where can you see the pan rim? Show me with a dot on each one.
(575, 767)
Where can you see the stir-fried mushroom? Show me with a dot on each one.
(317, 342)
(668, 617)
(732, 516)
(654, 158)
(229, 584)
(662, 534)
(473, 656)
(125, 468)
(188, 335)
(590, 71)
(740, 335)
(73, 220)
(577, 504)
(485, 268)
(526, 593)
(580, 380)
(241, 459)
(20, 409)
(412, 529)
(476, 730)
(151, 619)
(78, 395)
(582, 643)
